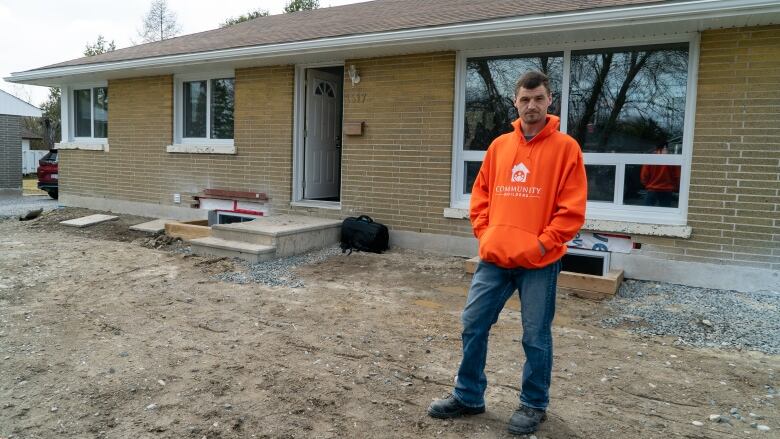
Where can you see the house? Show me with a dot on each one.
(386, 108)
(12, 109)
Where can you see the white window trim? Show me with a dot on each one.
(198, 145)
(595, 210)
(68, 122)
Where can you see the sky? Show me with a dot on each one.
(35, 33)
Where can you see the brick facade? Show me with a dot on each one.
(399, 170)
(734, 206)
(138, 168)
(10, 152)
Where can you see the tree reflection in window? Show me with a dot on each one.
(490, 89)
(222, 104)
(628, 100)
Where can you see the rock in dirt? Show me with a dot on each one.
(31, 214)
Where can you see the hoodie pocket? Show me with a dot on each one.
(509, 247)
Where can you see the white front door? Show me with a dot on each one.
(322, 135)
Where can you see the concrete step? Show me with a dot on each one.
(212, 246)
(290, 234)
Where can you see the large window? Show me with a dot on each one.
(204, 113)
(626, 106)
(90, 113)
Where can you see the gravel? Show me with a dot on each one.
(277, 272)
(13, 206)
(700, 317)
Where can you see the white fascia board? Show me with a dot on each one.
(577, 20)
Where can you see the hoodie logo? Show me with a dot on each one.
(520, 173)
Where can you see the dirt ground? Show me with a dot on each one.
(103, 337)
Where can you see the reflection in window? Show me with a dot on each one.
(195, 109)
(601, 182)
(82, 100)
(652, 185)
(490, 90)
(100, 105)
(222, 104)
(628, 100)
(471, 170)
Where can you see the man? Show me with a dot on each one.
(527, 202)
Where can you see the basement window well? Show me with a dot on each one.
(586, 262)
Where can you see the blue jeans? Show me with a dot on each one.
(490, 289)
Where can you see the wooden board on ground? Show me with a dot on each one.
(188, 230)
(471, 265)
(607, 284)
(88, 220)
(582, 285)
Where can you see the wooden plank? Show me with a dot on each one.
(585, 294)
(186, 231)
(225, 194)
(595, 287)
(471, 265)
(607, 284)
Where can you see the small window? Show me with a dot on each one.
(204, 110)
(90, 112)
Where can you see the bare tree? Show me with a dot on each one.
(159, 23)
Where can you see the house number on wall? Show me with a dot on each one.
(355, 98)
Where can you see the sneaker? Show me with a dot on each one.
(526, 420)
(450, 407)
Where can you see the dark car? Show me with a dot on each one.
(48, 174)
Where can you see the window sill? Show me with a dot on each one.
(330, 205)
(87, 146)
(626, 227)
(201, 149)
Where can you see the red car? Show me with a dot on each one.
(48, 174)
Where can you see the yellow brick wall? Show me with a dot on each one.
(398, 171)
(137, 167)
(734, 206)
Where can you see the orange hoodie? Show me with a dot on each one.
(526, 193)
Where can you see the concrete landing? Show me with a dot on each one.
(289, 234)
(281, 225)
(232, 249)
(88, 220)
(154, 226)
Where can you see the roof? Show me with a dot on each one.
(354, 19)
(392, 27)
(11, 105)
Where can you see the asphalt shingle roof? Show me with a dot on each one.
(354, 19)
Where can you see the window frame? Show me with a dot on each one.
(199, 144)
(596, 210)
(70, 103)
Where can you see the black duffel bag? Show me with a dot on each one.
(363, 234)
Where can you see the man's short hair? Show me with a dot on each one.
(531, 80)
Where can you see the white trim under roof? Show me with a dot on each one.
(573, 20)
